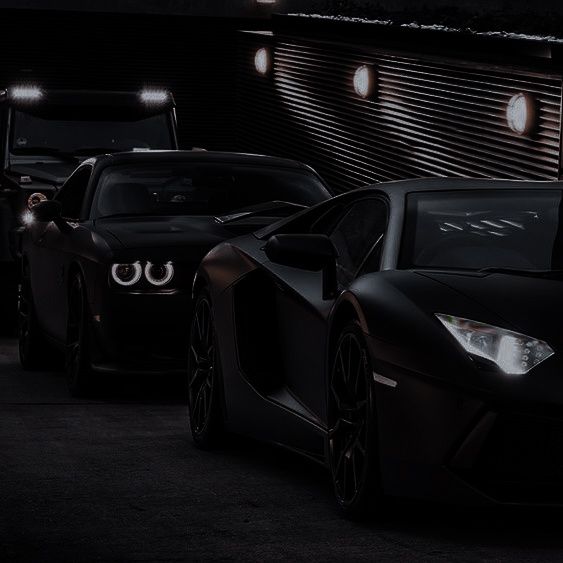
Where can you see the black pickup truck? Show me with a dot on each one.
(46, 134)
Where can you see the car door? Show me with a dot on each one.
(54, 246)
(301, 313)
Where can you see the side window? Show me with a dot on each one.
(357, 237)
(71, 195)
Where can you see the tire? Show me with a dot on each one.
(353, 456)
(204, 377)
(77, 350)
(34, 351)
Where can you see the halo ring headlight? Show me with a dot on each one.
(126, 274)
(159, 274)
(34, 199)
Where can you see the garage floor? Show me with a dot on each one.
(117, 479)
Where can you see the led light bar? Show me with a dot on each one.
(25, 93)
(153, 96)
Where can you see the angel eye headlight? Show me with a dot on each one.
(512, 352)
(126, 274)
(159, 274)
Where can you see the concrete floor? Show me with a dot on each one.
(117, 479)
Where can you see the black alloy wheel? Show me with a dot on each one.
(204, 374)
(78, 366)
(352, 447)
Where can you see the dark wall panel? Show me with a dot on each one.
(428, 117)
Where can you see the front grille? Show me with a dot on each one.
(426, 118)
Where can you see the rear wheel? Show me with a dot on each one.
(78, 366)
(352, 442)
(204, 373)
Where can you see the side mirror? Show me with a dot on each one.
(306, 252)
(46, 211)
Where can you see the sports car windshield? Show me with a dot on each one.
(180, 188)
(474, 230)
(42, 136)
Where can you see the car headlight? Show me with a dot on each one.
(159, 274)
(126, 274)
(512, 352)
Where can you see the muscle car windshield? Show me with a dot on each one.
(474, 230)
(200, 189)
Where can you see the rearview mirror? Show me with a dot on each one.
(307, 252)
(46, 211)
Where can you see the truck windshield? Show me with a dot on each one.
(31, 134)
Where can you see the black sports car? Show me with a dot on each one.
(108, 264)
(406, 335)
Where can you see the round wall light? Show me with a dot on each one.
(364, 81)
(263, 61)
(521, 113)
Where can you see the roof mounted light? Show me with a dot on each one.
(364, 81)
(25, 93)
(521, 113)
(154, 96)
(263, 61)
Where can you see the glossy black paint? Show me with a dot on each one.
(444, 421)
(140, 328)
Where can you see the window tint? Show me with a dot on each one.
(356, 235)
(191, 188)
(72, 193)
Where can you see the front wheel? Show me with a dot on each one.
(352, 441)
(78, 365)
(204, 373)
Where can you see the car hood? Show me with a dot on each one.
(531, 305)
(54, 173)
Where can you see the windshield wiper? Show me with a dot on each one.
(92, 151)
(48, 151)
(117, 215)
(522, 272)
(262, 209)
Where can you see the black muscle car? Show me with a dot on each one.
(408, 336)
(107, 265)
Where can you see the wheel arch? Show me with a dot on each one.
(347, 309)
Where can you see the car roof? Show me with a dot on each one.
(199, 156)
(402, 187)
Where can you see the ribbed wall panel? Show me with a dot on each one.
(427, 118)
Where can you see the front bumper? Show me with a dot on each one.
(449, 444)
(141, 332)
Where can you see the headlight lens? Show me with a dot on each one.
(512, 352)
(159, 274)
(126, 274)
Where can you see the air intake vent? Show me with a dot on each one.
(423, 118)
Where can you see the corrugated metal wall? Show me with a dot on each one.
(427, 118)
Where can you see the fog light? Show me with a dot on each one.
(34, 199)
(364, 81)
(126, 274)
(521, 113)
(263, 61)
(159, 274)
